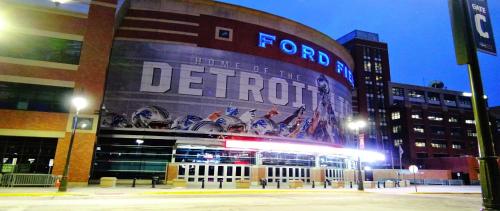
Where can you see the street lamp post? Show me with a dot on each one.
(79, 103)
(356, 126)
(414, 169)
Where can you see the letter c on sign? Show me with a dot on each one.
(481, 18)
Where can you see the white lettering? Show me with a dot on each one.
(221, 82)
(273, 91)
(246, 87)
(186, 80)
(298, 94)
(481, 18)
(165, 72)
(314, 96)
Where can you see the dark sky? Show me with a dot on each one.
(418, 33)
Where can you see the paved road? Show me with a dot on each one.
(307, 201)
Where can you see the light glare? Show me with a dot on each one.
(79, 103)
(365, 156)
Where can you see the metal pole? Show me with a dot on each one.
(360, 177)
(415, 181)
(488, 166)
(64, 180)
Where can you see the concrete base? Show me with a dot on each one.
(179, 183)
(295, 184)
(108, 182)
(78, 184)
(137, 182)
(369, 184)
(338, 184)
(242, 184)
(389, 184)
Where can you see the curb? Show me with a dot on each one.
(40, 194)
(443, 193)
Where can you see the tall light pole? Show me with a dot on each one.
(472, 32)
(356, 126)
(79, 103)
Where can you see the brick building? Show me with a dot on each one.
(370, 98)
(435, 128)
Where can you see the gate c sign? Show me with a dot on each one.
(481, 26)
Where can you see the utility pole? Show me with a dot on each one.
(472, 31)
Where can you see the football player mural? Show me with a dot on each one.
(322, 126)
(189, 93)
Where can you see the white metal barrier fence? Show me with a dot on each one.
(43, 180)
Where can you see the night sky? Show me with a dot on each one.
(418, 33)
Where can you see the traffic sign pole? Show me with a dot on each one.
(466, 50)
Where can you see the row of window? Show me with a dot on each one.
(437, 130)
(433, 117)
(33, 47)
(432, 97)
(437, 145)
(31, 97)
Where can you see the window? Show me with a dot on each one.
(422, 155)
(419, 144)
(435, 117)
(433, 96)
(453, 119)
(438, 130)
(222, 33)
(465, 101)
(415, 94)
(396, 129)
(367, 66)
(456, 131)
(471, 133)
(24, 46)
(398, 142)
(470, 122)
(19, 96)
(395, 115)
(396, 91)
(418, 129)
(416, 116)
(456, 146)
(450, 100)
(438, 145)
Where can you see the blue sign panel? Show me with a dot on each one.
(481, 26)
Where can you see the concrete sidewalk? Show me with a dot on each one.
(165, 190)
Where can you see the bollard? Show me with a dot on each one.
(278, 185)
(263, 182)
(324, 184)
(350, 184)
(203, 184)
(153, 182)
(378, 184)
(133, 182)
(383, 184)
(220, 184)
(313, 185)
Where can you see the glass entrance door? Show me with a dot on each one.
(287, 173)
(228, 173)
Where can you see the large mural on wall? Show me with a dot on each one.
(187, 88)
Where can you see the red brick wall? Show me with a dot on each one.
(32, 120)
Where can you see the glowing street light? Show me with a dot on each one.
(356, 126)
(79, 103)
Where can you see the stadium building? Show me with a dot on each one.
(193, 90)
